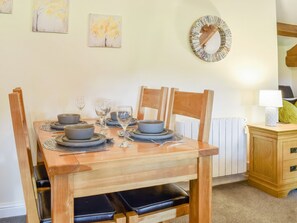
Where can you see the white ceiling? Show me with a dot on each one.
(286, 11)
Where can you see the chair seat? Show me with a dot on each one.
(41, 176)
(86, 209)
(155, 198)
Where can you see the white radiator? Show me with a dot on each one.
(229, 135)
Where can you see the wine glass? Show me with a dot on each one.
(124, 116)
(102, 109)
(80, 103)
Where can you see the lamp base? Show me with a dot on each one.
(271, 116)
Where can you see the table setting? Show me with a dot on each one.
(153, 131)
(62, 121)
(149, 131)
(80, 138)
(95, 142)
(73, 135)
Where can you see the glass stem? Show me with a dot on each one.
(101, 121)
(104, 122)
(80, 112)
(125, 135)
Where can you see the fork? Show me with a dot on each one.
(163, 143)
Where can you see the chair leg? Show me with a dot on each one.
(132, 217)
(120, 218)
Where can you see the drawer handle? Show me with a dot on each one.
(293, 168)
(293, 150)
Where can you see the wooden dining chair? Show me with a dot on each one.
(39, 170)
(165, 202)
(152, 98)
(96, 208)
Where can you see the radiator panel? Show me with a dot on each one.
(229, 135)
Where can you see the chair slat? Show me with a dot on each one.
(155, 99)
(193, 105)
(188, 104)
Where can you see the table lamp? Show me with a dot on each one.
(271, 100)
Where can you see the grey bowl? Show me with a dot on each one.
(150, 126)
(68, 118)
(81, 131)
(113, 116)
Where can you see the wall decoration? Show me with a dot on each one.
(50, 16)
(105, 31)
(210, 38)
(5, 6)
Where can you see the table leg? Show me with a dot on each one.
(201, 192)
(39, 153)
(62, 199)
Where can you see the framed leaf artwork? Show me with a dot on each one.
(105, 31)
(50, 16)
(5, 6)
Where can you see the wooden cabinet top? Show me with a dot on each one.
(280, 127)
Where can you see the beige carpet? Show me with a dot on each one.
(241, 203)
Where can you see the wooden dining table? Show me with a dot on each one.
(142, 164)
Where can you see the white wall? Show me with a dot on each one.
(53, 68)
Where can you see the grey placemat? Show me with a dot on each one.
(47, 128)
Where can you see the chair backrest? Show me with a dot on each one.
(24, 156)
(19, 91)
(23, 113)
(194, 105)
(153, 98)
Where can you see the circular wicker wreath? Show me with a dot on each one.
(225, 34)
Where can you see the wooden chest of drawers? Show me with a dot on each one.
(273, 158)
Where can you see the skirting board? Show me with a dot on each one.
(12, 209)
(219, 180)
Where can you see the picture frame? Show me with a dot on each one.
(105, 31)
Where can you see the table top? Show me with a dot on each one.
(59, 162)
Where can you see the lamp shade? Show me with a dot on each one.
(270, 98)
